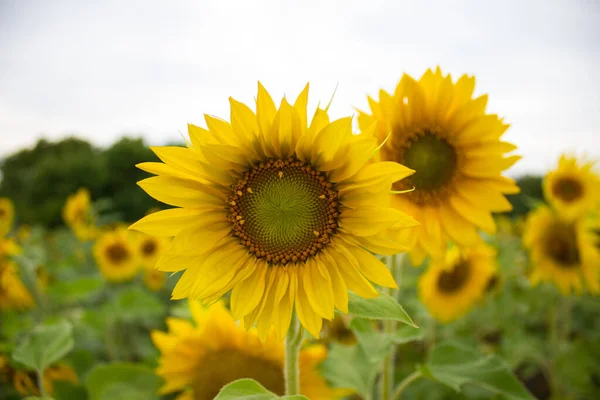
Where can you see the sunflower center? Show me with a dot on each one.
(435, 162)
(452, 280)
(284, 211)
(148, 248)
(567, 189)
(116, 253)
(561, 246)
(2, 213)
(225, 366)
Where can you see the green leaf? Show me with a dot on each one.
(65, 390)
(249, 389)
(406, 334)
(377, 344)
(383, 307)
(135, 304)
(45, 345)
(38, 398)
(348, 367)
(454, 365)
(75, 290)
(122, 381)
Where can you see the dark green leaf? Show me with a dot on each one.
(384, 307)
(348, 367)
(45, 345)
(122, 381)
(249, 389)
(455, 365)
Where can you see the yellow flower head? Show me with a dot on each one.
(116, 255)
(563, 252)
(435, 127)
(450, 288)
(78, 216)
(199, 359)
(7, 215)
(572, 189)
(154, 279)
(13, 293)
(150, 249)
(279, 210)
(25, 382)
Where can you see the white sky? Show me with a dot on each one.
(102, 69)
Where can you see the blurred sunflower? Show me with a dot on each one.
(277, 210)
(7, 215)
(563, 252)
(25, 382)
(116, 255)
(154, 279)
(573, 188)
(8, 247)
(13, 293)
(150, 248)
(450, 288)
(78, 216)
(199, 360)
(435, 127)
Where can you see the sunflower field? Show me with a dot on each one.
(285, 253)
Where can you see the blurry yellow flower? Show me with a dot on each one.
(116, 255)
(563, 252)
(78, 216)
(8, 247)
(150, 249)
(154, 279)
(573, 188)
(13, 293)
(279, 210)
(7, 215)
(435, 127)
(25, 382)
(199, 359)
(450, 288)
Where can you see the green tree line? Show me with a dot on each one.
(39, 179)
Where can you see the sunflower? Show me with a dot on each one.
(26, 382)
(198, 360)
(78, 216)
(435, 127)
(278, 210)
(562, 251)
(13, 293)
(7, 215)
(573, 188)
(150, 249)
(116, 255)
(451, 287)
(154, 279)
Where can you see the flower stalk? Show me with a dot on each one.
(291, 371)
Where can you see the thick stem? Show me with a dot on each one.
(291, 369)
(389, 363)
(404, 384)
(40, 378)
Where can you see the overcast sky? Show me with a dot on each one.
(103, 69)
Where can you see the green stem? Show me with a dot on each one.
(389, 363)
(291, 371)
(29, 277)
(404, 384)
(40, 378)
